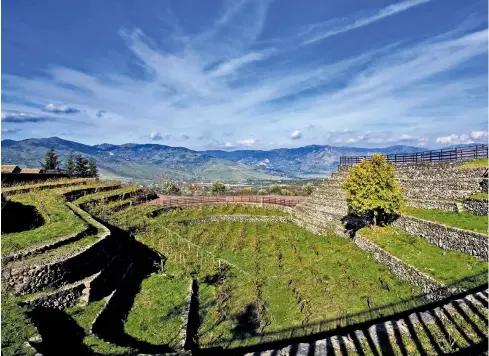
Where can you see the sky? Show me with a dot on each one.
(246, 74)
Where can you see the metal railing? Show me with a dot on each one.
(191, 201)
(453, 154)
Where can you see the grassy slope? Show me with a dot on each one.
(102, 195)
(444, 266)
(156, 314)
(462, 220)
(17, 328)
(59, 219)
(329, 281)
(482, 196)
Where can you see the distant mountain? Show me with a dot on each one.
(147, 162)
(140, 162)
(308, 161)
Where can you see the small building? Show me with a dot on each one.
(31, 170)
(10, 168)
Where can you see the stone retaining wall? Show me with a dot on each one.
(433, 204)
(185, 315)
(476, 206)
(399, 268)
(23, 278)
(445, 237)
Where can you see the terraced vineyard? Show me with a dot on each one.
(106, 274)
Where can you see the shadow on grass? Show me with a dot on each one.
(11, 210)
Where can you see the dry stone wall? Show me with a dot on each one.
(446, 237)
(399, 268)
(476, 206)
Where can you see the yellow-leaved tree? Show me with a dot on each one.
(372, 190)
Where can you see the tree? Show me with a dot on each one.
(51, 160)
(247, 191)
(170, 188)
(262, 191)
(308, 188)
(218, 188)
(372, 190)
(81, 166)
(70, 166)
(92, 170)
(284, 191)
(275, 189)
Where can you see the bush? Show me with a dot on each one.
(247, 191)
(308, 188)
(262, 191)
(218, 188)
(372, 190)
(170, 188)
(274, 189)
(284, 192)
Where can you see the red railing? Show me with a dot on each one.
(453, 154)
(190, 201)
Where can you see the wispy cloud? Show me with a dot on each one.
(21, 117)
(60, 109)
(320, 31)
(219, 85)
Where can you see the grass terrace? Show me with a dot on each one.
(158, 308)
(60, 221)
(106, 194)
(444, 266)
(480, 196)
(51, 183)
(463, 220)
(476, 163)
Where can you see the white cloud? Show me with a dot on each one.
(22, 117)
(246, 143)
(456, 139)
(155, 136)
(327, 29)
(297, 134)
(229, 145)
(60, 109)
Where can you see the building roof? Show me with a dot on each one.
(32, 170)
(9, 168)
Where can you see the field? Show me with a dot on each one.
(255, 280)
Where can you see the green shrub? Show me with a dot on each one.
(284, 192)
(275, 189)
(372, 190)
(262, 192)
(308, 188)
(218, 188)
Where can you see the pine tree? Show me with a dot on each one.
(51, 160)
(81, 166)
(70, 166)
(92, 169)
(372, 190)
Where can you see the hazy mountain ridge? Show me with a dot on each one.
(146, 162)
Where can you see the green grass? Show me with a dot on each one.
(84, 316)
(476, 163)
(444, 266)
(101, 347)
(481, 196)
(17, 327)
(105, 194)
(461, 220)
(331, 276)
(156, 315)
(212, 210)
(51, 183)
(59, 219)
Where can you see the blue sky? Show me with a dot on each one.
(246, 74)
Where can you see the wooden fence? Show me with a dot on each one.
(453, 154)
(190, 201)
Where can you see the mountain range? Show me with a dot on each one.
(150, 162)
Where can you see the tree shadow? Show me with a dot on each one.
(248, 323)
